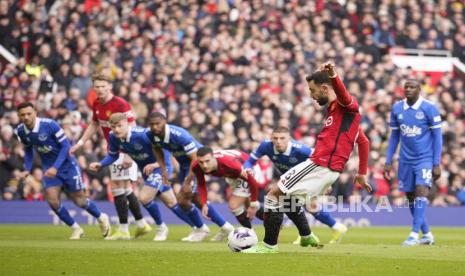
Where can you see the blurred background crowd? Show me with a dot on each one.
(229, 71)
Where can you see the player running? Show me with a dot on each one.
(228, 164)
(61, 170)
(286, 153)
(134, 142)
(124, 170)
(312, 177)
(184, 148)
(416, 123)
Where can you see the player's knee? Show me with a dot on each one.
(421, 191)
(170, 201)
(54, 203)
(144, 198)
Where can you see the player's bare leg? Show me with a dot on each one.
(80, 199)
(52, 194)
(237, 205)
(201, 230)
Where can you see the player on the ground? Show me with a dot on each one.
(228, 164)
(134, 142)
(286, 153)
(313, 176)
(416, 123)
(60, 169)
(124, 170)
(184, 148)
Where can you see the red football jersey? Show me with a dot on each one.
(102, 113)
(229, 165)
(341, 128)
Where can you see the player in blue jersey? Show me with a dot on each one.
(184, 148)
(416, 123)
(134, 142)
(60, 169)
(285, 153)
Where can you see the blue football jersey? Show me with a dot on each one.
(415, 124)
(138, 146)
(47, 138)
(295, 153)
(178, 141)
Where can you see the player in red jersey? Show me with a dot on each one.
(314, 176)
(228, 164)
(124, 170)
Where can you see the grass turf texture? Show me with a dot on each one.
(45, 250)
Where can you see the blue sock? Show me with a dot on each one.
(154, 211)
(424, 225)
(92, 209)
(419, 213)
(181, 214)
(64, 215)
(215, 216)
(194, 216)
(325, 217)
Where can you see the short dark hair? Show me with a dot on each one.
(319, 77)
(204, 151)
(24, 105)
(281, 129)
(157, 115)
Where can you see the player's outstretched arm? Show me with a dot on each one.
(343, 97)
(91, 129)
(392, 147)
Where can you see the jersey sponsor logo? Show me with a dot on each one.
(44, 149)
(437, 119)
(329, 121)
(293, 160)
(140, 156)
(138, 146)
(42, 137)
(420, 115)
(410, 131)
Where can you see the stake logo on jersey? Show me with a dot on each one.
(295, 153)
(177, 141)
(415, 123)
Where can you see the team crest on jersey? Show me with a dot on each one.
(293, 160)
(138, 146)
(42, 137)
(420, 115)
(329, 121)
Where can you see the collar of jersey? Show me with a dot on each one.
(415, 106)
(36, 126)
(287, 152)
(128, 137)
(166, 139)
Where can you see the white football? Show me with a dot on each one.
(242, 238)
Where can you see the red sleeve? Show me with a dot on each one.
(343, 97)
(201, 185)
(363, 151)
(126, 109)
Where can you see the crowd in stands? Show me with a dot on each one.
(229, 71)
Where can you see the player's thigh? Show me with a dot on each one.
(309, 181)
(406, 176)
(147, 194)
(423, 178)
(236, 202)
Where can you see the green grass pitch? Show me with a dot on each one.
(45, 250)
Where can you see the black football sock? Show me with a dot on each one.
(244, 220)
(273, 218)
(259, 213)
(121, 205)
(134, 206)
(299, 219)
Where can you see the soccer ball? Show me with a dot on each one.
(241, 238)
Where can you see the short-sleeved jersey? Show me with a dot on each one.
(102, 112)
(46, 138)
(295, 153)
(337, 138)
(415, 124)
(138, 146)
(229, 165)
(178, 141)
